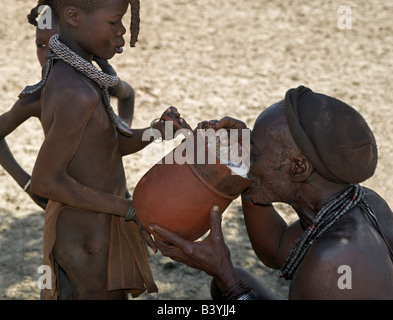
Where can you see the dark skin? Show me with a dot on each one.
(24, 109)
(80, 161)
(351, 241)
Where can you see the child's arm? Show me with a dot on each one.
(9, 121)
(122, 91)
(73, 109)
(170, 121)
(125, 95)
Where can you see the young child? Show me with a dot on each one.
(91, 230)
(23, 109)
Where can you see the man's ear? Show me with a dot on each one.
(301, 169)
(71, 16)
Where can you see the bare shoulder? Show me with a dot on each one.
(30, 106)
(26, 108)
(22, 110)
(379, 205)
(317, 276)
(383, 213)
(69, 94)
(348, 262)
(122, 90)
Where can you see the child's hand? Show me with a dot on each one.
(170, 122)
(146, 235)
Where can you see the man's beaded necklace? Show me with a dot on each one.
(325, 218)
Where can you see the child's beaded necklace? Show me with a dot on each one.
(61, 52)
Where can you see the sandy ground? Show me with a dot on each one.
(209, 59)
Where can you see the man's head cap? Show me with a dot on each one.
(333, 136)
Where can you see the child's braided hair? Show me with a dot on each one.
(32, 16)
(88, 6)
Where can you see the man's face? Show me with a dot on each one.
(103, 29)
(269, 168)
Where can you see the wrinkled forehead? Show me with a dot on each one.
(267, 124)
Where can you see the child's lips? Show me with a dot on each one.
(119, 49)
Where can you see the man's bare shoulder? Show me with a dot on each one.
(351, 245)
(377, 202)
(383, 213)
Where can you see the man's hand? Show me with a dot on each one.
(210, 255)
(230, 123)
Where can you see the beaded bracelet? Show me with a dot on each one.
(247, 296)
(27, 185)
(240, 291)
(130, 213)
